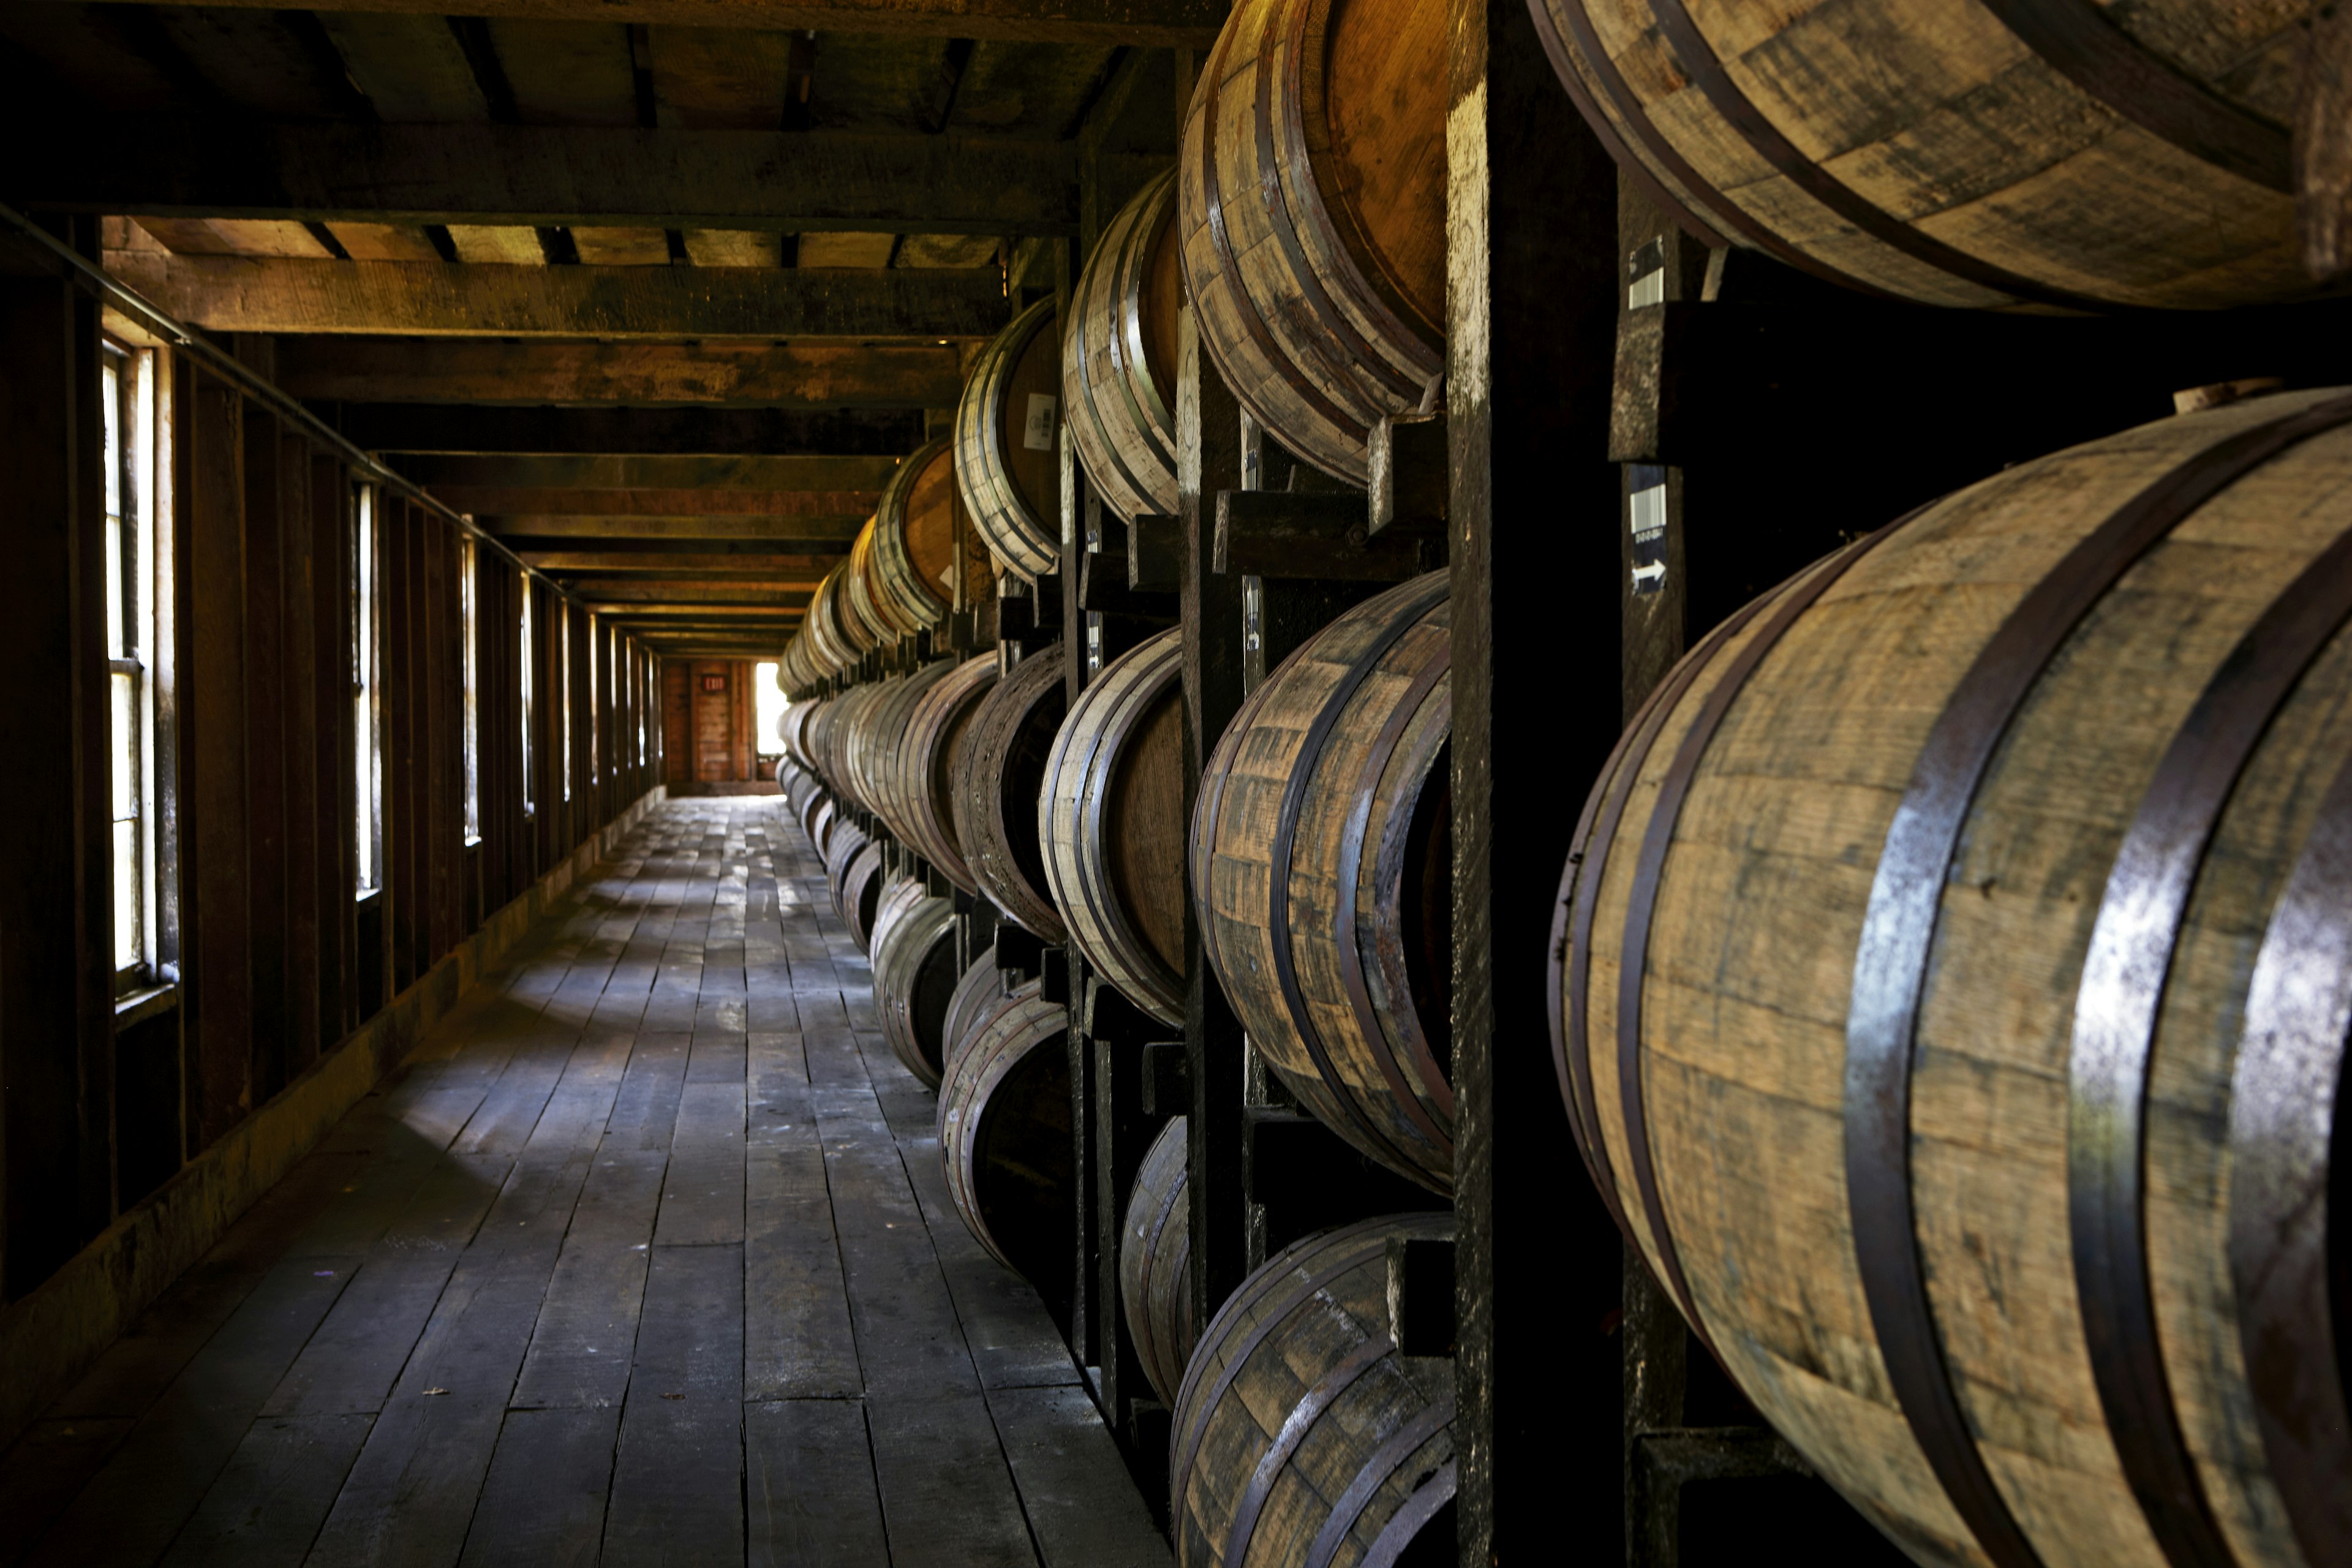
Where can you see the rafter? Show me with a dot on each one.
(1179, 24)
(258, 294)
(551, 370)
(681, 563)
(740, 473)
(543, 176)
(782, 431)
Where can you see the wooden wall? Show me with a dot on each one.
(270, 958)
(709, 715)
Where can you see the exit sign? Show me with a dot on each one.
(714, 683)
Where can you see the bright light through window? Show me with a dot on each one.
(771, 699)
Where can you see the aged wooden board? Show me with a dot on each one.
(492, 427)
(1183, 24)
(247, 294)
(540, 175)
(707, 374)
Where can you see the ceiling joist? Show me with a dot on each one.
(257, 294)
(529, 176)
(852, 482)
(1174, 24)
(784, 432)
(552, 371)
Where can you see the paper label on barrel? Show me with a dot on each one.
(1038, 433)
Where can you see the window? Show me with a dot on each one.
(771, 699)
(596, 717)
(563, 697)
(468, 657)
(129, 422)
(529, 708)
(367, 819)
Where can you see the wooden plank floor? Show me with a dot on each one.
(645, 1257)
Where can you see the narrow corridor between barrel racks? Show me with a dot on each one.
(645, 1257)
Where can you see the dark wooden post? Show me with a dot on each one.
(298, 663)
(1209, 459)
(1531, 318)
(332, 759)
(265, 744)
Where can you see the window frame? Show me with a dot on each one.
(129, 506)
(367, 688)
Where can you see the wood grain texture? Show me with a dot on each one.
(1119, 376)
(247, 294)
(914, 555)
(1947, 157)
(914, 978)
(634, 375)
(1168, 24)
(1320, 859)
(1000, 771)
(1155, 1263)
(1009, 486)
(1312, 228)
(1747, 991)
(1111, 819)
(1300, 1434)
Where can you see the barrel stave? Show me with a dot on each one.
(1000, 771)
(1155, 1274)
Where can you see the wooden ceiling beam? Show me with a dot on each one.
(1170, 24)
(270, 294)
(707, 591)
(679, 562)
(849, 477)
(546, 176)
(782, 431)
(667, 528)
(577, 373)
(629, 548)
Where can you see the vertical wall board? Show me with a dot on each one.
(334, 814)
(265, 744)
(678, 722)
(1209, 459)
(216, 970)
(300, 645)
(396, 522)
(174, 760)
(90, 760)
(1531, 305)
(439, 741)
(39, 481)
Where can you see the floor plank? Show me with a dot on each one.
(642, 1256)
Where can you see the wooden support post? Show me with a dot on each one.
(265, 739)
(1208, 445)
(1531, 309)
(332, 760)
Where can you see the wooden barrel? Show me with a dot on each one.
(1155, 1263)
(1981, 152)
(887, 737)
(1111, 819)
(1119, 356)
(1322, 867)
(838, 741)
(1956, 988)
(834, 650)
(1006, 463)
(914, 979)
(797, 719)
(975, 996)
(925, 787)
(1004, 1137)
(1301, 1438)
(901, 895)
(803, 795)
(917, 550)
(1311, 199)
(825, 816)
(865, 597)
(857, 896)
(1000, 771)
